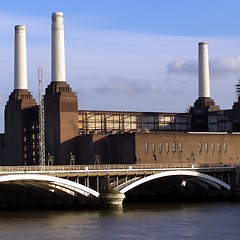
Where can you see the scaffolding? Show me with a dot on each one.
(95, 122)
(41, 119)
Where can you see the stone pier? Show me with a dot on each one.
(111, 199)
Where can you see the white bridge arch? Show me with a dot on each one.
(205, 179)
(50, 183)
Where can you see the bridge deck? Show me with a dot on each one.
(112, 169)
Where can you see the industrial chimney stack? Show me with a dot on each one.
(21, 110)
(203, 70)
(204, 104)
(60, 102)
(58, 51)
(20, 58)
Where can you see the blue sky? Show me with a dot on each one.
(132, 55)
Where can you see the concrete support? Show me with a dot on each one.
(108, 197)
(236, 184)
(112, 199)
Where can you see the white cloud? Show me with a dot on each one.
(188, 67)
(218, 66)
(124, 85)
(225, 65)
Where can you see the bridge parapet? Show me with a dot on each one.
(115, 167)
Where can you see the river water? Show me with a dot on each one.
(160, 221)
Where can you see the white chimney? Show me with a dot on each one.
(203, 70)
(20, 58)
(58, 52)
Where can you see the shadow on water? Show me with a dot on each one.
(130, 202)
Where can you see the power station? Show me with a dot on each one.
(55, 132)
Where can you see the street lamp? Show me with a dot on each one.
(71, 158)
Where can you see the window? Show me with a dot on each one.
(212, 147)
(225, 147)
(167, 147)
(180, 147)
(153, 147)
(146, 147)
(160, 147)
(199, 147)
(174, 147)
(219, 147)
(206, 147)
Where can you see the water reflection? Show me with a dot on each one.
(146, 221)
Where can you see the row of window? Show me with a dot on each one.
(174, 147)
(33, 127)
(34, 136)
(212, 147)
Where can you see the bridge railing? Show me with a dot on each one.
(111, 167)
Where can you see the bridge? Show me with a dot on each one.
(79, 186)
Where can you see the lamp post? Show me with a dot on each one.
(50, 159)
(71, 158)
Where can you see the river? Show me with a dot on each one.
(152, 221)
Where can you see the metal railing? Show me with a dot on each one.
(114, 167)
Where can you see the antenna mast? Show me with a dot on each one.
(41, 119)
